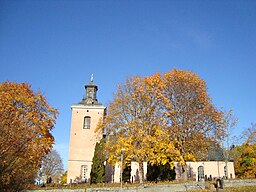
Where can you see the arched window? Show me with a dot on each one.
(84, 170)
(87, 122)
(200, 170)
(226, 172)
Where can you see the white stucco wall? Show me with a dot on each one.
(83, 141)
(134, 172)
(213, 168)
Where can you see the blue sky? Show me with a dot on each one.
(56, 45)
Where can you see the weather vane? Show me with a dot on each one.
(92, 78)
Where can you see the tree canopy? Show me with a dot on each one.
(245, 154)
(161, 118)
(193, 121)
(26, 122)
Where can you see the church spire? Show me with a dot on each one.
(90, 97)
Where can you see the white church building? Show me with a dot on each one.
(85, 117)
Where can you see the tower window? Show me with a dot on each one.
(84, 170)
(87, 122)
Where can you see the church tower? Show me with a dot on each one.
(85, 117)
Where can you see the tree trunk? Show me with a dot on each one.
(141, 172)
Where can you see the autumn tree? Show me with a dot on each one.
(51, 167)
(245, 155)
(193, 121)
(97, 174)
(135, 123)
(26, 122)
(161, 119)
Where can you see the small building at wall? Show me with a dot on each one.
(206, 170)
(203, 170)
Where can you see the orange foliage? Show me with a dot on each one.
(26, 122)
(161, 119)
(245, 155)
(193, 121)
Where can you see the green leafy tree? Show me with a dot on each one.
(127, 174)
(160, 172)
(97, 174)
(26, 122)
